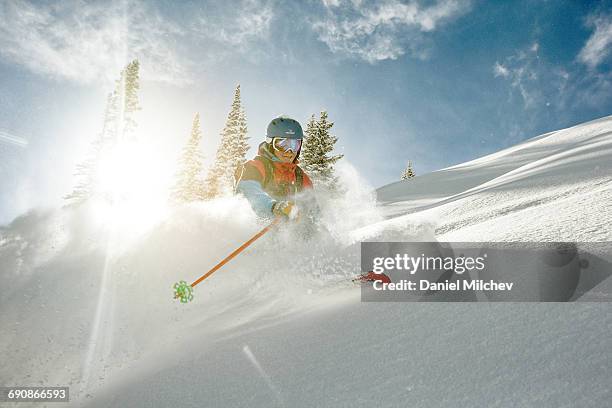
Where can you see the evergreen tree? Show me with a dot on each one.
(127, 90)
(86, 172)
(189, 186)
(119, 123)
(309, 133)
(85, 175)
(408, 173)
(316, 155)
(231, 152)
(242, 140)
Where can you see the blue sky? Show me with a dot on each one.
(435, 82)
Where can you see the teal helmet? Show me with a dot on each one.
(284, 127)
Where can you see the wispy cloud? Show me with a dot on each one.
(522, 69)
(86, 41)
(240, 28)
(599, 44)
(500, 70)
(375, 30)
(592, 89)
(251, 23)
(542, 84)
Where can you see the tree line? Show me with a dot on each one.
(190, 184)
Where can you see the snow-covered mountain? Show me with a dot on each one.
(88, 303)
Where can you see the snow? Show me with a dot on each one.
(89, 304)
(561, 179)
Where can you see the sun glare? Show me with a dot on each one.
(129, 193)
(117, 171)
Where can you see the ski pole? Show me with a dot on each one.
(184, 291)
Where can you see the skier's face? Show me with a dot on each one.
(286, 157)
(286, 149)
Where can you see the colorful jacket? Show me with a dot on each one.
(265, 180)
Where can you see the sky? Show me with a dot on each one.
(436, 82)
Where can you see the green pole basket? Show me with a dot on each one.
(183, 291)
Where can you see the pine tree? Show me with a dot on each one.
(231, 152)
(408, 173)
(86, 172)
(119, 123)
(128, 87)
(189, 186)
(316, 156)
(242, 140)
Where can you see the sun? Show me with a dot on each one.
(117, 173)
(128, 191)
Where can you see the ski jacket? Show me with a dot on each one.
(265, 180)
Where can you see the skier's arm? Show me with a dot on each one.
(260, 201)
(306, 182)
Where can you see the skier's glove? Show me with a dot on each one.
(286, 209)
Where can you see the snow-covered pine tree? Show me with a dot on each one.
(231, 152)
(86, 172)
(189, 185)
(128, 88)
(409, 172)
(119, 123)
(242, 141)
(85, 175)
(316, 156)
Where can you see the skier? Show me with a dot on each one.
(271, 181)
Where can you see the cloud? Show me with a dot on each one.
(597, 48)
(542, 84)
(252, 24)
(592, 89)
(374, 30)
(500, 70)
(86, 42)
(523, 69)
(239, 25)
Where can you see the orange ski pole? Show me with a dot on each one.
(184, 291)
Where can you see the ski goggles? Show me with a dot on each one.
(285, 144)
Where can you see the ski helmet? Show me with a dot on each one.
(284, 127)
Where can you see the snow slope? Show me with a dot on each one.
(561, 179)
(88, 304)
